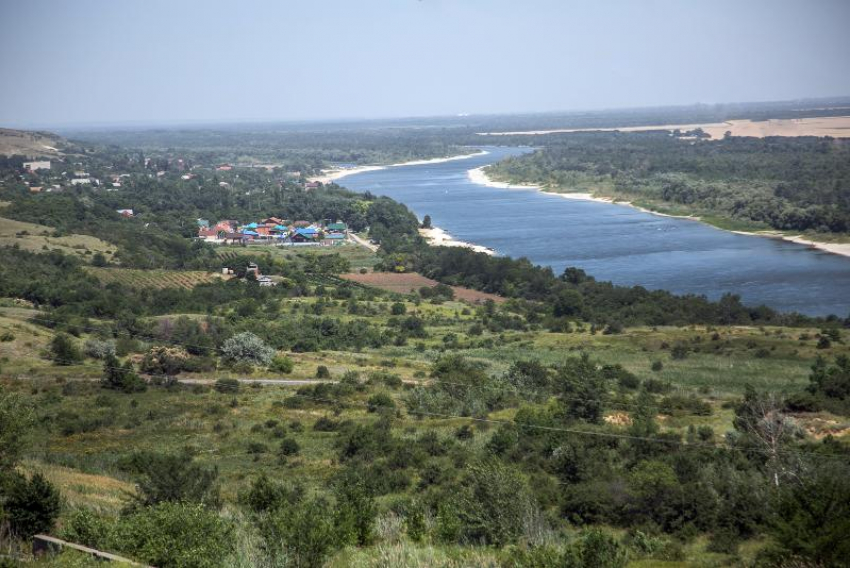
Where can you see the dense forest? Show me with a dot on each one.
(792, 184)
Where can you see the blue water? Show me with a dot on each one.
(615, 242)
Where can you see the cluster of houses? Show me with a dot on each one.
(273, 231)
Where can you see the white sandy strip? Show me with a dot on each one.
(439, 238)
(479, 176)
(834, 126)
(440, 160)
(328, 176)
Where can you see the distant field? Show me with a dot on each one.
(835, 126)
(39, 238)
(410, 282)
(154, 278)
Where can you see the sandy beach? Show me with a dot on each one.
(328, 176)
(439, 238)
(479, 176)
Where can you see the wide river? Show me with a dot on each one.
(615, 242)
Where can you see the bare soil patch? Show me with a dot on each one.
(410, 282)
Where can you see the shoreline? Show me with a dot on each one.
(477, 175)
(328, 176)
(438, 237)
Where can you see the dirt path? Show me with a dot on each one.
(363, 242)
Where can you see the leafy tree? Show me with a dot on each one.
(811, 519)
(355, 511)
(494, 504)
(99, 349)
(265, 495)
(302, 536)
(16, 418)
(121, 377)
(568, 302)
(31, 506)
(582, 389)
(64, 350)
(246, 347)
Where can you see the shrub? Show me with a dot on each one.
(282, 364)
(226, 385)
(289, 447)
(174, 535)
(380, 401)
(64, 350)
(121, 377)
(172, 478)
(398, 309)
(31, 505)
(679, 351)
(246, 347)
(322, 372)
(304, 535)
(164, 360)
(266, 495)
(657, 366)
(97, 349)
(494, 504)
(600, 550)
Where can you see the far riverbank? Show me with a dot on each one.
(479, 176)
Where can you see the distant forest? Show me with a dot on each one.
(790, 184)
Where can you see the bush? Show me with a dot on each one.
(226, 385)
(657, 366)
(163, 360)
(398, 309)
(121, 377)
(289, 447)
(174, 535)
(322, 372)
(380, 401)
(64, 350)
(31, 506)
(600, 550)
(97, 349)
(247, 348)
(265, 495)
(282, 364)
(494, 504)
(304, 535)
(171, 478)
(679, 351)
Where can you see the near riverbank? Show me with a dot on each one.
(437, 237)
(479, 176)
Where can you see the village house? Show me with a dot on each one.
(34, 166)
(125, 212)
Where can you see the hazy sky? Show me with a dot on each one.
(118, 61)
